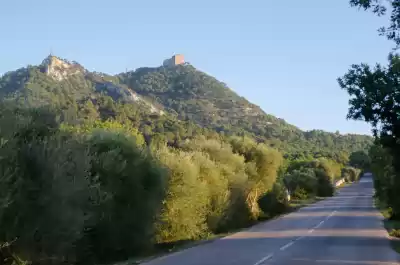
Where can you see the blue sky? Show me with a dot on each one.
(284, 56)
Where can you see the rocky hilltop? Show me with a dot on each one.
(60, 69)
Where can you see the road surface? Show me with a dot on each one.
(344, 229)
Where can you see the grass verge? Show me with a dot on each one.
(392, 226)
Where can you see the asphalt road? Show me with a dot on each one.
(344, 229)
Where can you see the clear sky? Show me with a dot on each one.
(284, 56)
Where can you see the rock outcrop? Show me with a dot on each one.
(59, 69)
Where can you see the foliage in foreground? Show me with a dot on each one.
(374, 98)
(95, 192)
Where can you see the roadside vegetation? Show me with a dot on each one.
(374, 98)
(392, 226)
(96, 192)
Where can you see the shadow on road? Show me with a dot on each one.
(345, 229)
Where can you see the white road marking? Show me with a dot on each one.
(332, 213)
(264, 259)
(320, 223)
(287, 245)
(292, 242)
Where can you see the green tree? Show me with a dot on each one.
(350, 174)
(384, 174)
(184, 213)
(359, 159)
(44, 187)
(375, 98)
(131, 190)
(380, 8)
(274, 201)
(302, 179)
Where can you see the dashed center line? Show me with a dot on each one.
(269, 256)
(318, 225)
(322, 222)
(332, 213)
(264, 259)
(287, 245)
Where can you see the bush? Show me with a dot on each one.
(351, 174)
(304, 180)
(185, 209)
(360, 159)
(395, 233)
(228, 184)
(48, 195)
(300, 194)
(325, 185)
(314, 177)
(262, 166)
(131, 187)
(275, 201)
(44, 187)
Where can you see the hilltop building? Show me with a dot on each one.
(175, 60)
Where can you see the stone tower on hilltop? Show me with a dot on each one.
(175, 60)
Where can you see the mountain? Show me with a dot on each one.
(171, 102)
(190, 94)
(55, 79)
(193, 95)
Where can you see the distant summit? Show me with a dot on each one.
(59, 69)
(174, 60)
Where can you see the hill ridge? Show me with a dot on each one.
(181, 93)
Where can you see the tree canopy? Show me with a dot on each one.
(380, 8)
(374, 97)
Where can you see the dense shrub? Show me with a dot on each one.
(325, 183)
(64, 198)
(184, 212)
(351, 174)
(360, 159)
(131, 188)
(44, 198)
(385, 178)
(303, 180)
(262, 166)
(275, 201)
(228, 208)
(314, 178)
(48, 199)
(87, 128)
(301, 194)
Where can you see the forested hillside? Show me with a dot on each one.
(96, 168)
(172, 103)
(190, 94)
